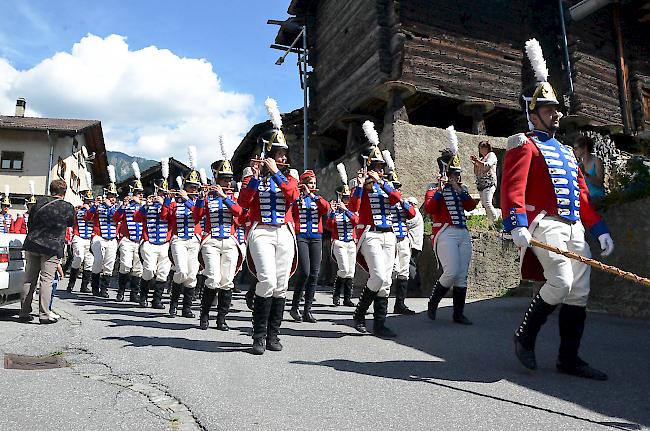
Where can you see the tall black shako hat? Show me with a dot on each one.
(274, 137)
(222, 167)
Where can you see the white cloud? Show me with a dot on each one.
(152, 103)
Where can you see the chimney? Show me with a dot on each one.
(20, 107)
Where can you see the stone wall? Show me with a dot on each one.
(630, 228)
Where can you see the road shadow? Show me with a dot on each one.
(182, 343)
(484, 353)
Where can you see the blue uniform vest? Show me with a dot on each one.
(309, 218)
(455, 207)
(135, 228)
(240, 234)
(6, 223)
(380, 207)
(344, 227)
(107, 227)
(85, 228)
(184, 219)
(399, 221)
(563, 169)
(157, 227)
(272, 202)
(220, 217)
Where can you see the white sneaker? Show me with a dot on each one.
(54, 316)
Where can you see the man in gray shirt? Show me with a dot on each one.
(43, 248)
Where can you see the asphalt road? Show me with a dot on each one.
(136, 369)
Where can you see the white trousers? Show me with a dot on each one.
(272, 251)
(185, 252)
(345, 254)
(403, 259)
(130, 262)
(155, 261)
(378, 249)
(104, 253)
(486, 200)
(454, 250)
(220, 257)
(81, 254)
(567, 280)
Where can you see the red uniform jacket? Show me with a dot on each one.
(202, 210)
(172, 220)
(323, 208)
(20, 225)
(434, 204)
(141, 217)
(360, 203)
(249, 196)
(330, 224)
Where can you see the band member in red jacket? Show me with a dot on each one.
(342, 222)
(186, 239)
(307, 213)
(82, 257)
(7, 225)
(544, 197)
(130, 238)
(373, 199)
(268, 195)
(452, 243)
(104, 242)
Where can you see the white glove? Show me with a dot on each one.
(606, 244)
(521, 237)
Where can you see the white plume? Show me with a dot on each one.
(111, 173)
(453, 139)
(164, 167)
(342, 173)
(536, 57)
(179, 181)
(191, 156)
(89, 180)
(370, 132)
(7, 189)
(136, 170)
(204, 176)
(32, 188)
(389, 160)
(222, 148)
(274, 112)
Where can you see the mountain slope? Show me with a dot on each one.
(122, 163)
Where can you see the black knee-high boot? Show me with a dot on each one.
(295, 303)
(348, 284)
(144, 292)
(460, 294)
(309, 300)
(173, 299)
(104, 283)
(188, 297)
(379, 328)
(250, 297)
(572, 325)
(273, 326)
(206, 304)
(338, 287)
(438, 293)
(526, 334)
(85, 281)
(134, 294)
(122, 281)
(72, 278)
(359, 317)
(400, 296)
(223, 307)
(158, 290)
(261, 312)
(94, 283)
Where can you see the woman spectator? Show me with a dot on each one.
(485, 169)
(591, 166)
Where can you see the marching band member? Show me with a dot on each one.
(307, 213)
(403, 256)
(200, 278)
(342, 223)
(186, 242)
(7, 225)
(269, 195)
(21, 223)
(104, 242)
(240, 236)
(154, 215)
(221, 253)
(82, 257)
(130, 233)
(373, 198)
(452, 242)
(544, 196)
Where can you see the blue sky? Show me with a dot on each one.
(231, 35)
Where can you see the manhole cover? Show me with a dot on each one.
(25, 362)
